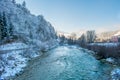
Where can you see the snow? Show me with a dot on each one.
(105, 44)
(14, 65)
(16, 56)
(12, 62)
(12, 46)
(117, 34)
(61, 33)
(110, 60)
(28, 27)
(115, 74)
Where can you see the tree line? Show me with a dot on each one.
(6, 27)
(83, 40)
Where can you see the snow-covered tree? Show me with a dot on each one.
(4, 27)
(10, 29)
(24, 4)
(13, 1)
(23, 31)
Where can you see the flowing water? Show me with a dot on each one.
(66, 63)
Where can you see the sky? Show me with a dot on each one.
(78, 15)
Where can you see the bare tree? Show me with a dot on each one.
(73, 36)
(82, 40)
(90, 36)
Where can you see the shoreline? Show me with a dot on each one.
(14, 61)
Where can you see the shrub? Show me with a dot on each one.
(105, 51)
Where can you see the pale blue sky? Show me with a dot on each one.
(75, 15)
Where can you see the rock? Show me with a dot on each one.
(115, 74)
(110, 60)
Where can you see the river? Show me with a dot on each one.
(66, 63)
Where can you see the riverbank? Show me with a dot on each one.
(15, 56)
(114, 61)
(105, 50)
(109, 53)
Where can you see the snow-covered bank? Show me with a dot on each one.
(14, 57)
(12, 62)
(13, 46)
(105, 44)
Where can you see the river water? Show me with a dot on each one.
(66, 63)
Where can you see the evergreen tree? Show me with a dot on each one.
(13, 1)
(1, 26)
(4, 28)
(82, 40)
(11, 29)
(24, 4)
(6, 31)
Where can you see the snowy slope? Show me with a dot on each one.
(33, 33)
(28, 27)
(12, 61)
(13, 46)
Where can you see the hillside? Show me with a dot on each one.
(22, 37)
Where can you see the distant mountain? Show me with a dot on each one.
(66, 34)
(108, 35)
(117, 34)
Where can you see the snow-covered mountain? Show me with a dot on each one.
(67, 35)
(104, 36)
(28, 27)
(32, 34)
(117, 34)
